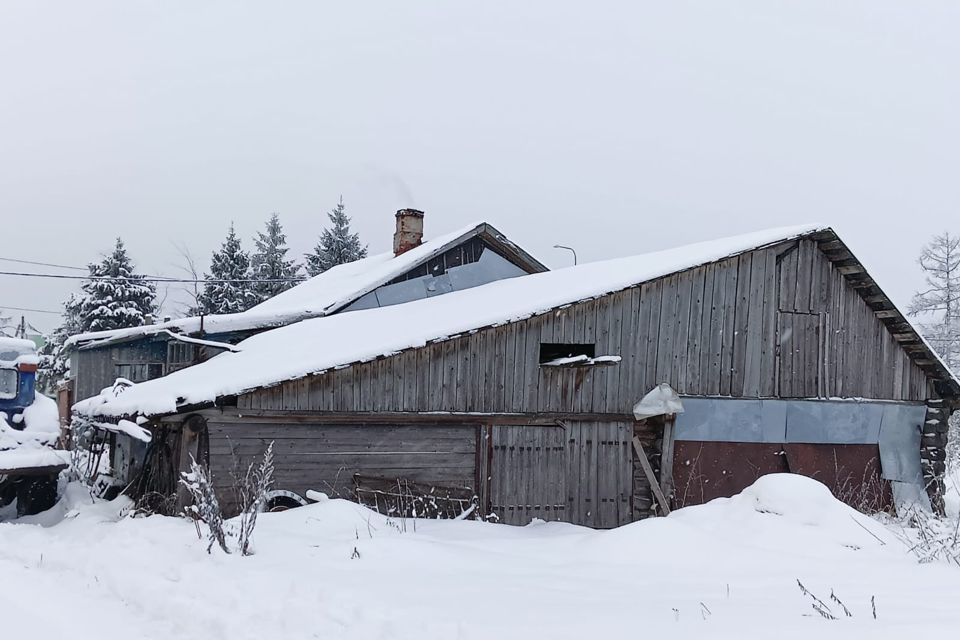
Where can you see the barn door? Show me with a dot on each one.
(581, 472)
(599, 473)
(527, 473)
(800, 354)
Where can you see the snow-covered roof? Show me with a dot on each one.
(325, 343)
(15, 349)
(318, 296)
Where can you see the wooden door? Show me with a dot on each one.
(580, 472)
(527, 473)
(599, 473)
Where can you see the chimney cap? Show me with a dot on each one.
(416, 213)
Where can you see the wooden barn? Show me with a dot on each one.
(525, 396)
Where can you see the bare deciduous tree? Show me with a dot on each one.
(939, 303)
(938, 307)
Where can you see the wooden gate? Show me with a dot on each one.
(581, 472)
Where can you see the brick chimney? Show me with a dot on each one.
(409, 233)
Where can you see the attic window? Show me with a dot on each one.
(556, 354)
(551, 352)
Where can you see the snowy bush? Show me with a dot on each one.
(252, 490)
(929, 537)
(206, 506)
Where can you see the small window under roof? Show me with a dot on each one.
(567, 354)
(557, 351)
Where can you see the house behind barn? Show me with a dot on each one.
(468, 257)
(784, 352)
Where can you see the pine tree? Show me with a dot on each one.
(231, 263)
(54, 359)
(115, 297)
(269, 264)
(337, 245)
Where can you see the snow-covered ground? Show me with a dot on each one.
(728, 569)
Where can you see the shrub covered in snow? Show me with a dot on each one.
(252, 490)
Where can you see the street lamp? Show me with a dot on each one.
(570, 249)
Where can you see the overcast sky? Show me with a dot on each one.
(618, 128)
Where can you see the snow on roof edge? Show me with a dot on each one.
(270, 317)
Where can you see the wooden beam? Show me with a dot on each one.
(232, 414)
(651, 477)
(888, 313)
(851, 269)
(832, 245)
(906, 336)
(666, 457)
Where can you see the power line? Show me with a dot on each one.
(43, 264)
(59, 276)
(31, 310)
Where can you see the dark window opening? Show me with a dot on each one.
(557, 352)
(140, 372)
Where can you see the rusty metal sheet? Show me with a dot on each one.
(851, 471)
(704, 470)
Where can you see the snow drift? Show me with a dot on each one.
(727, 569)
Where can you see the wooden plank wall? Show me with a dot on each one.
(713, 330)
(326, 457)
(96, 368)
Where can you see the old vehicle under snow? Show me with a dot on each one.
(29, 431)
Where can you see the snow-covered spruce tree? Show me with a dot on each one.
(337, 245)
(268, 263)
(54, 359)
(938, 306)
(228, 289)
(115, 297)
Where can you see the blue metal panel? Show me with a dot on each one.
(801, 421)
(819, 422)
(900, 442)
(731, 420)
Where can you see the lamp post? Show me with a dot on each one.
(570, 249)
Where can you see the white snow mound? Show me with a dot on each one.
(727, 569)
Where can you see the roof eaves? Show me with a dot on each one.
(902, 330)
(510, 249)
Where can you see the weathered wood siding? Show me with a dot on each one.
(776, 322)
(96, 368)
(325, 457)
